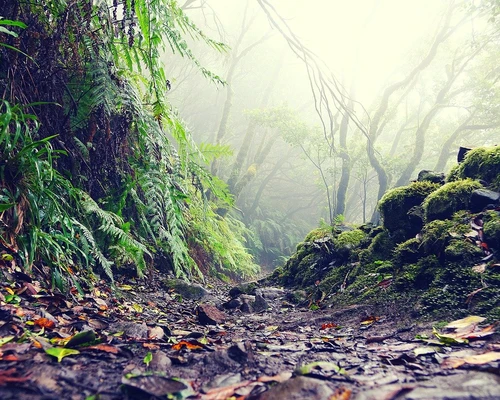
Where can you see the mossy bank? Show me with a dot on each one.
(434, 252)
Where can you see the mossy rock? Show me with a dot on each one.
(448, 199)
(419, 275)
(318, 233)
(491, 229)
(482, 163)
(462, 250)
(349, 239)
(380, 248)
(408, 252)
(396, 203)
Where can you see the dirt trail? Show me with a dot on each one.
(152, 342)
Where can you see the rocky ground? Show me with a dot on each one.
(166, 339)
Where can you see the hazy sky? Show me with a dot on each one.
(365, 38)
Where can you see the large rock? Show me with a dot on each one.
(481, 198)
(396, 204)
(448, 199)
(430, 176)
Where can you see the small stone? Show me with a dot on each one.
(160, 361)
(210, 315)
(271, 293)
(132, 330)
(244, 288)
(232, 304)
(191, 291)
(237, 353)
(299, 388)
(246, 308)
(156, 333)
(260, 304)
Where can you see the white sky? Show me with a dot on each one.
(379, 33)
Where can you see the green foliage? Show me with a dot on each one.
(448, 199)
(43, 215)
(150, 175)
(219, 241)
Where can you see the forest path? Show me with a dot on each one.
(151, 343)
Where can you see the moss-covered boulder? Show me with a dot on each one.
(482, 163)
(492, 229)
(448, 199)
(396, 204)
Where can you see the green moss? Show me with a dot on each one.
(380, 248)
(480, 163)
(407, 252)
(318, 233)
(448, 199)
(396, 203)
(349, 239)
(419, 275)
(491, 229)
(435, 236)
(463, 251)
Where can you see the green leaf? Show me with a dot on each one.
(61, 352)
(6, 339)
(85, 337)
(148, 358)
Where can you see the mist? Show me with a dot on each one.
(329, 104)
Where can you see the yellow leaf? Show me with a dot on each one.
(483, 358)
(465, 322)
(137, 307)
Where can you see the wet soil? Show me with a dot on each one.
(145, 341)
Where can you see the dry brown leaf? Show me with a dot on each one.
(7, 377)
(45, 323)
(465, 322)
(104, 347)
(341, 394)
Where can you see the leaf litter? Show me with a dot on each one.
(145, 342)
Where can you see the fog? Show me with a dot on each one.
(306, 151)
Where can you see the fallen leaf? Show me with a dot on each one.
(483, 358)
(480, 268)
(284, 376)
(465, 322)
(137, 308)
(81, 338)
(61, 352)
(487, 331)
(370, 320)
(151, 346)
(104, 347)
(425, 350)
(341, 394)
(7, 377)
(188, 345)
(6, 339)
(45, 323)
(328, 326)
